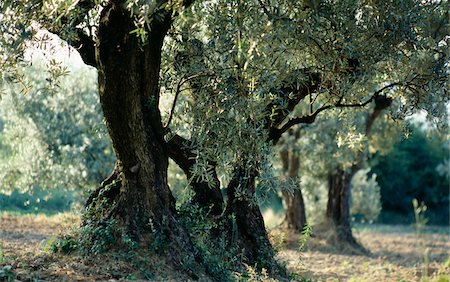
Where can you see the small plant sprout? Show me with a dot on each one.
(306, 233)
(420, 222)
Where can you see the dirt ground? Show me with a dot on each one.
(397, 253)
(25, 250)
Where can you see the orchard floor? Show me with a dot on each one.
(397, 254)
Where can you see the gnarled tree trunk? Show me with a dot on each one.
(206, 196)
(137, 192)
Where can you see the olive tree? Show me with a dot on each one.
(325, 55)
(245, 73)
(402, 55)
(128, 69)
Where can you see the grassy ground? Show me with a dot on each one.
(397, 254)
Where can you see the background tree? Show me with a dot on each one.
(53, 138)
(294, 205)
(329, 171)
(413, 170)
(392, 51)
(339, 182)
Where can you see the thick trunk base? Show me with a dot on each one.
(117, 211)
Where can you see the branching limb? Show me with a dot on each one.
(86, 48)
(180, 153)
(276, 133)
(82, 42)
(205, 195)
(177, 93)
(280, 114)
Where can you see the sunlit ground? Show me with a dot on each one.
(397, 254)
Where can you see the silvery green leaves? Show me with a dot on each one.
(53, 139)
(15, 31)
(227, 63)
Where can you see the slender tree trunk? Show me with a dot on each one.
(137, 192)
(246, 224)
(295, 218)
(338, 206)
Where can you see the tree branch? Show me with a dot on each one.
(276, 133)
(180, 153)
(205, 195)
(83, 43)
(307, 119)
(86, 48)
(177, 93)
(381, 103)
(280, 114)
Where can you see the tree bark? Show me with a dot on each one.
(249, 231)
(137, 192)
(295, 215)
(246, 224)
(128, 77)
(338, 206)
